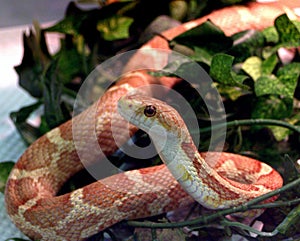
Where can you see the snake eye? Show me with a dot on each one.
(150, 110)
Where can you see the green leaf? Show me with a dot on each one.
(221, 71)
(280, 133)
(272, 107)
(5, 168)
(292, 70)
(27, 131)
(288, 32)
(233, 93)
(55, 112)
(36, 59)
(289, 75)
(206, 36)
(297, 24)
(246, 44)
(284, 84)
(269, 64)
(252, 66)
(271, 35)
(184, 70)
(285, 33)
(73, 21)
(267, 85)
(255, 67)
(22, 115)
(114, 28)
(202, 55)
(69, 25)
(70, 64)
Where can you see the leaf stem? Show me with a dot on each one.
(253, 122)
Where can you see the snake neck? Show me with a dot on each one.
(201, 181)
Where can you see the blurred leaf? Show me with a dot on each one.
(202, 55)
(65, 26)
(23, 114)
(55, 112)
(84, 23)
(72, 22)
(114, 28)
(76, 20)
(27, 132)
(36, 59)
(70, 63)
(178, 9)
(5, 169)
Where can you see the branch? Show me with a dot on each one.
(209, 218)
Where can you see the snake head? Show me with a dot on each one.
(153, 116)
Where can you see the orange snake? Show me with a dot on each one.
(51, 160)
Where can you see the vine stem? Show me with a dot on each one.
(253, 122)
(248, 228)
(209, 218)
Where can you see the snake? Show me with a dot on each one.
(31, 191)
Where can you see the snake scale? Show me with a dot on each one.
(30, 194)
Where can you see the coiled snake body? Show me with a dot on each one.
(50, 161)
